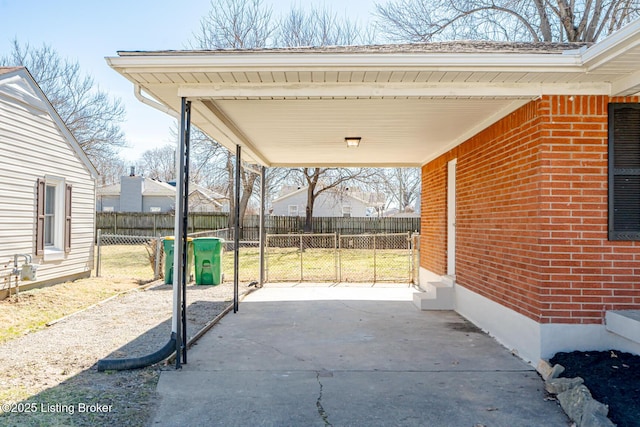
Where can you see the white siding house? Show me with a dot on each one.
(328, 204)
(136, 194)
(47, 190)
(139, 194)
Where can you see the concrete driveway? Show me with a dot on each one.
(334, 356)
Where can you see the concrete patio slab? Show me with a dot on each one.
(350, 357)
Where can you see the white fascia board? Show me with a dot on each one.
(436, 89)
(626, 86)
(611, 47)
(266, 61)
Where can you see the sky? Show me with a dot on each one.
(87, 31)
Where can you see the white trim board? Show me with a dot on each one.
(531, 340)
(528, 339)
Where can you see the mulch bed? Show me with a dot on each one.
(612, 377)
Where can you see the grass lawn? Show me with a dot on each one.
(124, 267)
(350, 265)
(32, 310)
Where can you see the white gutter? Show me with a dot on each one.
(224, 62)
(612, 46)
(137, 91)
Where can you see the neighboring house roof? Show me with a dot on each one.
(157, 188)
(153, 187)
(409, 103)
(209, 195)
(35, 97)
(359, 196)
(405, 214)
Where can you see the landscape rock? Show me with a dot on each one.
(580, 406)
(556, 371)
(560, 385)
(596, 420)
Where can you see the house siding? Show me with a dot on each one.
(327, 204)
(532, 214)
(33, 146)
(165, 203)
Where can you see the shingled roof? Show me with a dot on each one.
(469, 46)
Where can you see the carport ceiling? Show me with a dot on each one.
(408, 103)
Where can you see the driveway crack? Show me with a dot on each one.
(323, 414)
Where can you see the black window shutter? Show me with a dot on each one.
(40, 190)
(67, 218)
(624, 171)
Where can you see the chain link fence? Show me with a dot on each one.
(143, 257)
(131, 257)
(335, 258)
(301, 257)
(390, 257)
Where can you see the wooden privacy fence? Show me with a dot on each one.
(162, 224)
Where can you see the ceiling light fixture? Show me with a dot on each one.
(352, 141)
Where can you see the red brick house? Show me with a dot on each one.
(537, 262)
(530, 157)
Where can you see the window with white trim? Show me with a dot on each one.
(53, 226)
(293, 210)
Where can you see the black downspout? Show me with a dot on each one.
(178, 340)
(139, 362)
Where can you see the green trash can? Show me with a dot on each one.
(208, 256)
(168, 259)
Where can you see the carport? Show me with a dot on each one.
(404, 104)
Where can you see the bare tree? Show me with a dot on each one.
(320, 180)
(401, 185)
(159, 163)
(509, 20)
(237, 24)
(91, 114)
(248, 24)
(316, 27)
(111, 169)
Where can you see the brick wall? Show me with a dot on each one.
(532, 214)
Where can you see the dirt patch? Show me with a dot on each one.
(464, 327)
(49, 377)
(613, 378)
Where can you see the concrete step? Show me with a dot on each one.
(436, 296)
(625, 323)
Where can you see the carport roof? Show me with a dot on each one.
(409, 103)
